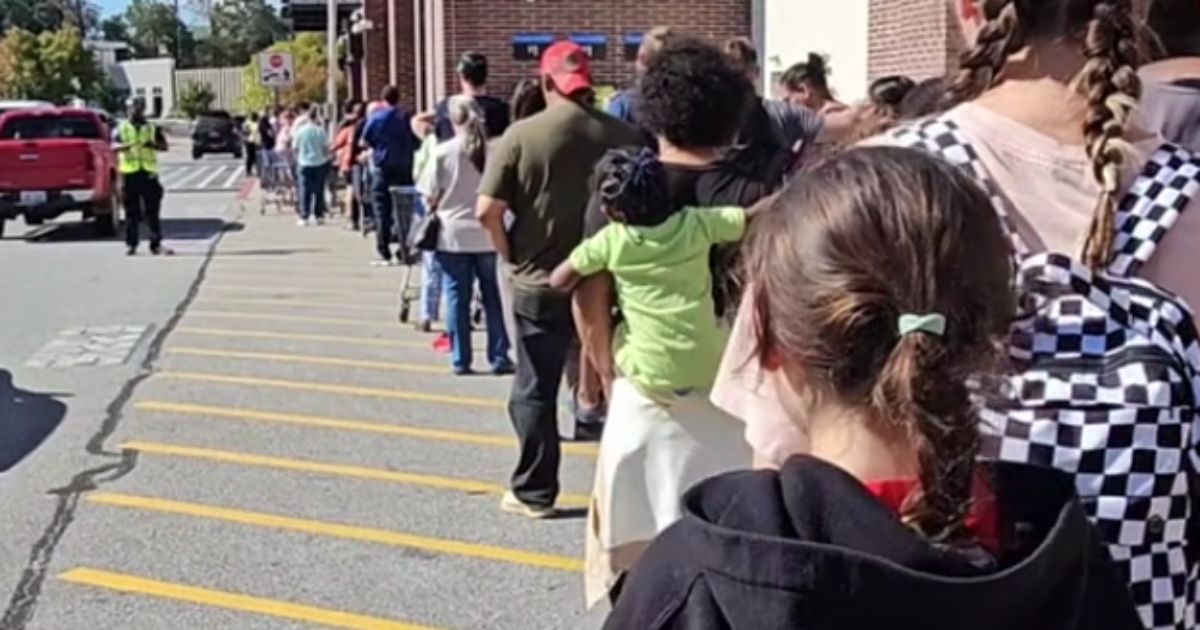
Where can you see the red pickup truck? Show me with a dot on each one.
(58, 160)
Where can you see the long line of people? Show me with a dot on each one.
(948, 325)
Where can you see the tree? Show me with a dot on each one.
(158, 32)
(52, 66)
(241, 28)
(114, 29)
(195, 98)
(38, 16)
(308, 52)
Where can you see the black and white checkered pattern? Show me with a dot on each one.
(1108, 381)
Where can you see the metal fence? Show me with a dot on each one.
(226, 83)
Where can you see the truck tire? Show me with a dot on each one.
(108, 223)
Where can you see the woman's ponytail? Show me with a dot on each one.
(466, 115)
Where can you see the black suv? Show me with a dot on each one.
(216, 132)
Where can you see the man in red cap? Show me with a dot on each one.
(540, 171)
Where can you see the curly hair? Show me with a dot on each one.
(1107, 36)
(693, 95)
(632, 185)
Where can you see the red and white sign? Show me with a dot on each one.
(276, 69)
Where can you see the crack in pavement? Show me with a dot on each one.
(24, 600)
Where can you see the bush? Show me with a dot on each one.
(195, 98)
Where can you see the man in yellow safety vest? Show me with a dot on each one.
(137, 144)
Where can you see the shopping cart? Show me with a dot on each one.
(406, 205)
(278, 182)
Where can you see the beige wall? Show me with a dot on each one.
(793, 28)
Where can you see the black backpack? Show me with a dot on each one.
(1107, 380)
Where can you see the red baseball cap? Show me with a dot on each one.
(566, 64)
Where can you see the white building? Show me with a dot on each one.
(790, 29)
(152, 80)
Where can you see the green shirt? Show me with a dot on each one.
(670, 339)
(541, 168)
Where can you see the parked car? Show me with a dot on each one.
(215, 132)
(7, 106)
(58, 160)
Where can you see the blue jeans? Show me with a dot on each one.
(431, 287)
(312, 191)
(460, 271)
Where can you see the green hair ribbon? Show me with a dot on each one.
(930, 323)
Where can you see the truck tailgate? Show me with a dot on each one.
(45, 164)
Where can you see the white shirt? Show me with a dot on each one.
(453, 179)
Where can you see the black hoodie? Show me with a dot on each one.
(809, 548)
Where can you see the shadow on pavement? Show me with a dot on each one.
(173, 230)
(27, 418)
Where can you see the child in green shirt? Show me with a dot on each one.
(662, 434)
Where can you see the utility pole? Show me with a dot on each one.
(331, 63)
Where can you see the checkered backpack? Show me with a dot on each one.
(1107, 382)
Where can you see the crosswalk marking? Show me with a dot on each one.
(272, 317)
(339, 530)
(331, 388)
(309, 359)
(134, 585)
(345, 424)
(468, 486)
(200, 177)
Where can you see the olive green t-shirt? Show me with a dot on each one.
(542, 168)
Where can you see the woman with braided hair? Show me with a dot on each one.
(1043, 105)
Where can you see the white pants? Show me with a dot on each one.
(652, 452)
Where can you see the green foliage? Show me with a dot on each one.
(195, 98)
(308, 50)
(38, 16)
(156, 31)
(52, 66)
(241, 28)
(114, 29)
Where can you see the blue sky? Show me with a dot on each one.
(112, 7)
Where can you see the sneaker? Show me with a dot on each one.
(504, 369)
(463, 372)
(311, 222)
(511, 504)
(301, 223)
(320, 220)
(442, 344)
(132, 251)
(424, 326)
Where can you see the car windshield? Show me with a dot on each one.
(41, 127)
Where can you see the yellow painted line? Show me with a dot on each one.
(306, 281)
(303, 319)
(291, 302)
(468, 486)
(338, 530)
(330, 388)
(264, 334)
(309, 359)
(342, 424)
(134, 585)
(274, 288)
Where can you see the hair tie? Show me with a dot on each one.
(931, 323)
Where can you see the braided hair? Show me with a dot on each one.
(1109, 81)
(632, 185)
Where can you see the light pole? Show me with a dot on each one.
(331, 62)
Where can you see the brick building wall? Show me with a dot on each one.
(488, 26)
(917, 38)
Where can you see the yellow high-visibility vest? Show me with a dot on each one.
(141, 156)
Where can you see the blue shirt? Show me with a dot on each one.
(621, 106)
(392, 142)
(312, 146)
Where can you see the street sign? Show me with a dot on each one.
(276, 69)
